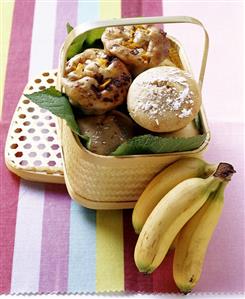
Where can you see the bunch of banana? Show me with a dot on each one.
(165, 181)
(191, 209)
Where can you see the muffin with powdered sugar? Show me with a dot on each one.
(163, 99)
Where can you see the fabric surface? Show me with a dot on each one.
(49, 244)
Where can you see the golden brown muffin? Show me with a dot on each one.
(188, 131)
(95, 81)
(163, 99)
(140, 47)
(107, 131)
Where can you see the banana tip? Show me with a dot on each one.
(224, 171)
(137, 230)
(185, 290)
(145, 269)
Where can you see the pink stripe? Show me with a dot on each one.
(16, 78)
(19, 55)
(134, 281)
(55, 237)
(8, 206)
(136, 8)
(163, 281)
(66, 13)
(131, 8)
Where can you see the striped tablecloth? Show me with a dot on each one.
(49, 244)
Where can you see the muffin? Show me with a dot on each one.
(95, 81)
(140, 47)
(188, 131)
(163, 99)
(106, 132)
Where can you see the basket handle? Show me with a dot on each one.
(130, 21)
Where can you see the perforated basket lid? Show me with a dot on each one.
(32, 148)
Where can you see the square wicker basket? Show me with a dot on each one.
(108, 182)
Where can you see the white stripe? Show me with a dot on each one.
(42, 48)
(28, 236)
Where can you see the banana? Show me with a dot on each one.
(167, 218)
(193, 240)
(171, 176)
(171, 214)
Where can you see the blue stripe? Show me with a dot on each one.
(82, 255)
(87, 11)
(82, 246)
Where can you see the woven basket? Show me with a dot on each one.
(107, 182)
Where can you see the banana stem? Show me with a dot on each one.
(224, 171)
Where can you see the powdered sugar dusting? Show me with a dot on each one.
(169, 93)
(185, 113)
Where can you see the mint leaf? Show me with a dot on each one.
(58, 104)
(77, 44)
(90, 39)
(149, 144)
(69, 28)
(94, 35)
(76, 47)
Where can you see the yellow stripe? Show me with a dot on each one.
(109, 224)
(6, 14)
(110, 9)
(109, 251)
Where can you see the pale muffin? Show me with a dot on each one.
(188, 131)
(163, 99)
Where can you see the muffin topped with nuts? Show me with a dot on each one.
(96, 81)
(140, 47)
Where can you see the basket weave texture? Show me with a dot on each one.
(108, 179)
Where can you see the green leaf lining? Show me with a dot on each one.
(149, 144)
